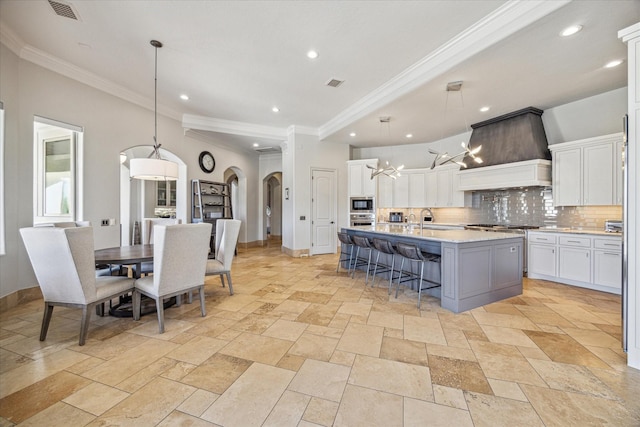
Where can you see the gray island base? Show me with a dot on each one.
(476, 267)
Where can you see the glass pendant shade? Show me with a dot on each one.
(153, 169)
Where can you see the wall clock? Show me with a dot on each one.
(207, 162)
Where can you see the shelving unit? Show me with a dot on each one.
(210, 201)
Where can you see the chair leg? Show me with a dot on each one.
(230, 284)
(203, 309)
(84, 323)
(222, 279)
(178, 300)
(160, 310)
(135, 297)
(190, 297)
(46, 319)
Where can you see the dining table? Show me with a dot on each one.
(130, 255)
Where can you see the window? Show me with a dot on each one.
(57, 174)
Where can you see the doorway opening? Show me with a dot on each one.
(272, 208)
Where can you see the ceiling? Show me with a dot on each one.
(238, 59)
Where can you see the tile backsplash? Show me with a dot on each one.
(522, 206)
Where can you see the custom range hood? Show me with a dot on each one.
(514, 150)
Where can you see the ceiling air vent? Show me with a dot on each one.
(63, 9)
(334, 82)
(264, 150)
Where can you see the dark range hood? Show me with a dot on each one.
(513, 137)
(515, 153)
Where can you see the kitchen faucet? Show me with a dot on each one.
(422, 216)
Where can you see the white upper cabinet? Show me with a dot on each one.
(442, 188)
(401, 191)
(587, 172)
(385, 192)
(416, 189)
(360, 182)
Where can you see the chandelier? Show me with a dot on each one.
(388, 170)
(444, 158)
(154, 167)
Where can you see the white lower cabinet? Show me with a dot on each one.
(588, 261)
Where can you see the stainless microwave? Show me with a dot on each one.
(362, 204)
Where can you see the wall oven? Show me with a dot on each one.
(362, 219)
(362, 205)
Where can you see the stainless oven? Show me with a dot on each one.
(362, 219)
(362, 205)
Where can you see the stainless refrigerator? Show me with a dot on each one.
(625, 234)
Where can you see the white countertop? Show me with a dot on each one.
(569, 230)
(453, 236)
(434, 225)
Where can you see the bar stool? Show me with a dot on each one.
(413, 254)
(384, 246)
(347, 243)
(362, 243)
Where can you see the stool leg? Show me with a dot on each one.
(400, 276)
(420, 284)
(393, 259)
(350, 266)
(375, 269)
(355, 262)
(366, 279)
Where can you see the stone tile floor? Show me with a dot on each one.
(301, 345)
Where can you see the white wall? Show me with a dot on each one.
(111, 125)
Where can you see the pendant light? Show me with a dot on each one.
(387, 170)
(154, 167)
(444, 158)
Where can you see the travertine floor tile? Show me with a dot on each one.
(321, 379)
(418, 413)
(508, 336)
(565, 349)
(387, 320)
(404, 351)
(361, 339)
(285, 330)
(197, 350)
(561, 376)
(257, 348)
(424, 330)
(365, 407)
(288, 411)
(460, 374)
(249, 401)
(59, 415)
(198, 402)
(177, 418)
(449, 396)
(321, 412)
(217, 373)
(314, 347)
(504, 320)
(592, 338)
(507, 389)
(493, 411)
(96, 398)
(392, 377)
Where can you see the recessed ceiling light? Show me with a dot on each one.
(409, 135)
(312, 54)
(613, 63)
(184, 97)
(484, 109)
(255, 144)
(569, 31)
(352, 134)
(275, 109)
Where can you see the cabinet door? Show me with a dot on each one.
(459, 199)
(431, 189)
(567, 178)
(385, 192)
(607, 269)
(368, 185)
(416, 189)
(401, 191)
(445, 188)
(542, 259)
(574, 263)
(598, 184)
(355, 180)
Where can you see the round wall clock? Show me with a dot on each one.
(207, 162)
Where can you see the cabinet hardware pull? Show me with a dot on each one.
(612, 253)
(573, 241)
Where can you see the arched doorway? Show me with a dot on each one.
(237, 181)
(272, 207)
(142, 199)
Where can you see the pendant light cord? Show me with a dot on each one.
(156, 146)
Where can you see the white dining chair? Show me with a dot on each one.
(64, 264)
(227, 231)
(180, 259)
(147, 239)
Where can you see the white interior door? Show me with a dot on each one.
(323, 211)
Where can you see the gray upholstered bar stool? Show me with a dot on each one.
(346, 250)
(362, 242)
(413, 254)
(384, 246)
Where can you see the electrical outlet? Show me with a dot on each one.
(105, 222)
(302, 217)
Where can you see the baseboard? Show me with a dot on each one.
(20, 297)
(296, 253)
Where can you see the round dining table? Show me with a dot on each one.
(130, 255)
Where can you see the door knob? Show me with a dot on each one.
(333, 222)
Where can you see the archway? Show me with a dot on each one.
(238, 184)
(272, 207)
(140, 199)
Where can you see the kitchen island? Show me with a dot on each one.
(476, 267)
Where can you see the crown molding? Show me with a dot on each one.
(501, 23)
(211, 124)
(11, 39)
